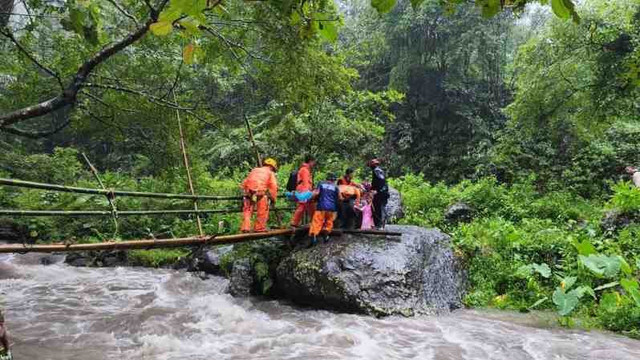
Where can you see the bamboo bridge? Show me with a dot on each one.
(111, 194)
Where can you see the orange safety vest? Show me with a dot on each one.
(261, 180)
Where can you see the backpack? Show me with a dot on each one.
(293, 181)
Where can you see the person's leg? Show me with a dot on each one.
(298, 214)
(329, 218)
(383, 210)
(316, 223)
(311, 208)
(377, 210)
(341, 220)
(262, 213)
(350, 214)
(247, 212)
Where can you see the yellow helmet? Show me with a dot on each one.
(271, 162)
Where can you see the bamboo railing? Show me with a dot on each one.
(111, 192)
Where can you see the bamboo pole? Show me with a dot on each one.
(9, 212)
(114, 210)
(80, 190)
(253, 141)
(167, 243)
(183, 147)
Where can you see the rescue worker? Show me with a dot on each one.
(328, 197)
(305, 184)
(347, 178)
(350, 195)
(381, 195)
(258, 187)
(635, 175)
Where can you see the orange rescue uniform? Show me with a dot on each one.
(260, 181)
(322, 220)
(305, 183)
(349, 191)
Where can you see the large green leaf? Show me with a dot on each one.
(568, 282)
(542, 269)
(609, 301)
(565, 302)
(383, 6)
(607, 266)
(328, 30)
(585, 247)
(582, 290)
(161, 28)
(559, 8)
(631, 287)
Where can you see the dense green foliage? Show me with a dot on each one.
(525, 250)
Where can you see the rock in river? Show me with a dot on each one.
(412, 274)
(394, 206)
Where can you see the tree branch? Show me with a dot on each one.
(151, 98)
(38, 134)
(123, 11)
(7, 33)
(69, 95)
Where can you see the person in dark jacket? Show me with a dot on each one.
(379, 185)
(328, 199)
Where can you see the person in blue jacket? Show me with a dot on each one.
(328, 200)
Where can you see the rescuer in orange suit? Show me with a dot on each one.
(259, 186)
(304, 186)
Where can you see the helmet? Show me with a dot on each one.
(271, 162)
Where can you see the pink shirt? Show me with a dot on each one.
(367, 216)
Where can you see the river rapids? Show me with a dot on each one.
(57, 312)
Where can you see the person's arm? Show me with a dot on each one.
(273, 188)
(357, 196)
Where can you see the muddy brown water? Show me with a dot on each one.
(60, 312)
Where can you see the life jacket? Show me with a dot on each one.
(328, 194)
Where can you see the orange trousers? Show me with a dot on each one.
(322, 220)
(262, 214)
(301, 209)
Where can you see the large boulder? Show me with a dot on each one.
(394, 206)
(458, 212)
(209, 262)
(614, 220)
(241, 278)
(412, 274)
